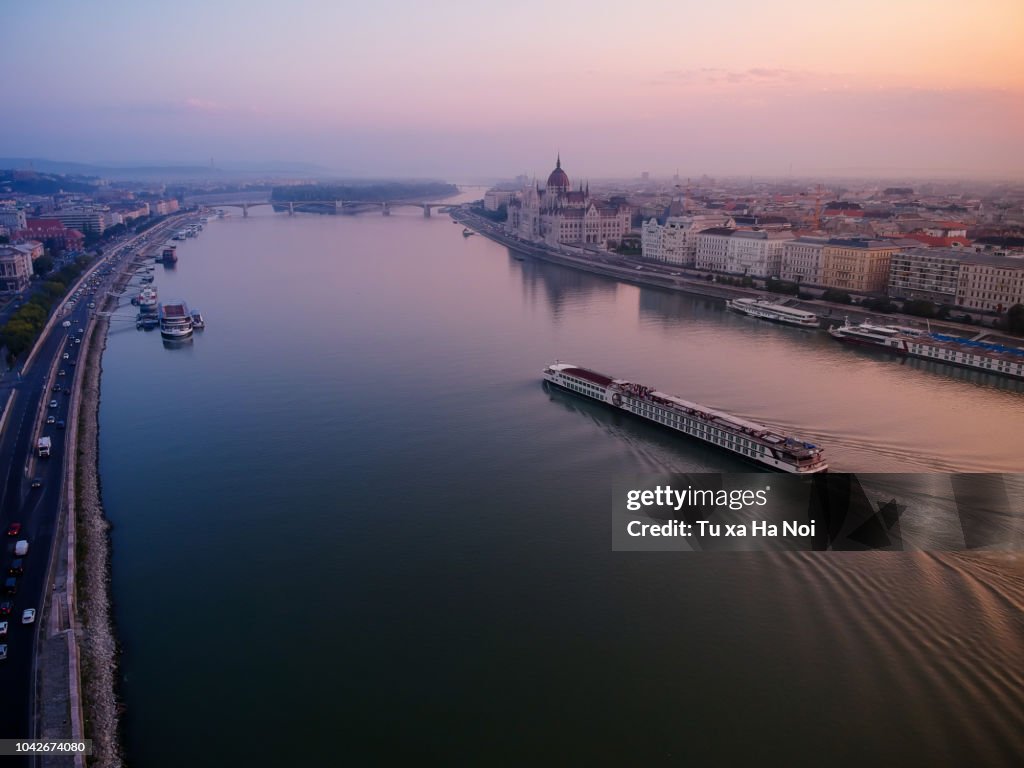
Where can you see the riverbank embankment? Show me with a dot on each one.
(97, 640)
(651, 275)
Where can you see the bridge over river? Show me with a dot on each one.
(334, 207)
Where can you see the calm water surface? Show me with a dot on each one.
(351, 527)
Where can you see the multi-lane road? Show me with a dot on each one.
(36, 508)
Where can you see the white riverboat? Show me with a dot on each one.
(175, 320)
(147, 299)
(748, 439)
(776, 313)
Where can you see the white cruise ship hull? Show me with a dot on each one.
(175, 333)
(750, 441)
(774, 313)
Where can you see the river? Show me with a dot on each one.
(351, 527)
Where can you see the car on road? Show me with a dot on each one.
(53, 403)
(3, 628)
(66, 324)
(6, 607)
(78, 341)
(28, 615)
(67, 355)
(56, 387)
(62, 372)
(11, 586)
(14, 529)
(17, 567)
(3, 652)
(61, 424)
(92, 305)
(37, 482)
(51, 419)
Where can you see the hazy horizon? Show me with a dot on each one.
(397, 89)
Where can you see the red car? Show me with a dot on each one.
(14, 529)
(5, 608)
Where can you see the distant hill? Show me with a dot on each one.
(39, 183)
(118, 171)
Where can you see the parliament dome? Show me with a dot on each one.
(558, 179)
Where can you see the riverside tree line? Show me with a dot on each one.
(20, 332)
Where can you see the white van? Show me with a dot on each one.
(66, 324)
(21, 548)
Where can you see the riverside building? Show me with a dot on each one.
(757, 253)
(675, 241)
(559, 214)
(12, 218)
(85, 218)
(855, 264)
(15, 269)
(931, 274)
(990, 283)
(801, 260)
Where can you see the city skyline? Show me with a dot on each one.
(398, 89)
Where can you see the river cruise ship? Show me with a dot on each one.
(776, 313)
(913, 342)
(175, 320)
(748, 439)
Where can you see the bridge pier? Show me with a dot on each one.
(385, 209)
(426, 211)
(291, 209)
(245, 210)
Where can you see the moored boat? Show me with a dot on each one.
(975, 354)
(776, 313)
(175, 320)
(147, 299)
(748, 439)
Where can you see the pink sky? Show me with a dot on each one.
(494, 89)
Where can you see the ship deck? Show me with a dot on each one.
(995, 351)
(591, 376)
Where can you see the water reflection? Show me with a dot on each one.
(934, 368)
(561, 287)
(178, 344)
(673, 310)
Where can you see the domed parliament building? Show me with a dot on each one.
(560, 214)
